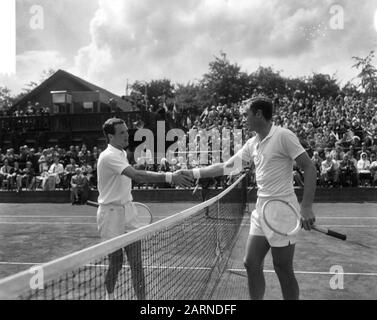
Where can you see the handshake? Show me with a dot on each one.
(184, 178)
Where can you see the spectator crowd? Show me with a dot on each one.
(340, 134)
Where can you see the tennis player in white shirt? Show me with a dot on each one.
(116, 214)
(273, 151)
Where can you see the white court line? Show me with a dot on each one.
(335, 225)
(49, 223)
(345, 218)
(372, 274)
(68, 217)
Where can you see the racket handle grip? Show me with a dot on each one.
(337, 235)
(92, 204)
(331, 233)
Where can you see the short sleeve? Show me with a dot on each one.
(117, 164)
(242, 156)
(291, 145)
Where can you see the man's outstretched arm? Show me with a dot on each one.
(233, 166)
(141, 176)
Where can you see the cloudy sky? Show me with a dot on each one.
(109, 41)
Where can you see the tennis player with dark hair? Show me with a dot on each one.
(116, 213)
(273, 151)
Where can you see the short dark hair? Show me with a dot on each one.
(109, 127)
(262, 103)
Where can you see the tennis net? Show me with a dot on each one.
(181, 257)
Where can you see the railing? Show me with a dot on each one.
(68, 122)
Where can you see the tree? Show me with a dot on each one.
(367, 75)
(225, 82)
(323, 85)
(192, 96)
(350, 89)
(268, 80)
(6, 98)
(156, 92)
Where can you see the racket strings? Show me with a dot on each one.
(280, 217)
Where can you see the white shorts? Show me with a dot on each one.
(116, 220)
(259, 228)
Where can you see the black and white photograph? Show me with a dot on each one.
(207, 152)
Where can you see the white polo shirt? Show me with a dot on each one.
(113, 187)
(273, 158)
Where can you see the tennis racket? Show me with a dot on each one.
(144, 214)
(283, 218)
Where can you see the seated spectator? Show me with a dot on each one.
(363, 168)
(317, 161)
(329, 172)
(79, 188)
(43, 162)
(43, 180)
(173, 165)
(6, 174)
(337, 154)
(363, 150)
(163, 167)
(348, 172)
(181, 163)
(32, 157)
(139, 165)
(69, 172)
(28, 176)
(56, 172)
(373, 169)
(87, 171)
(16, 177)
(11, 157)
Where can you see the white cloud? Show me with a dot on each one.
(148, 39)
(30, 66)
(174, 39)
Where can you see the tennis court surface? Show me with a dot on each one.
(195, 256)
